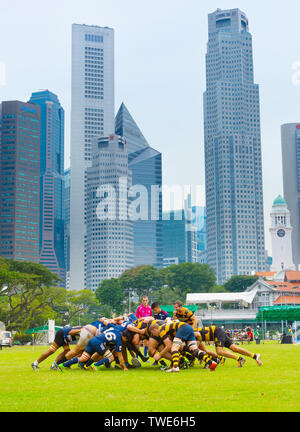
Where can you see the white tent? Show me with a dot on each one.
(245, 298)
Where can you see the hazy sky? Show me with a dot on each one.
(160, 50)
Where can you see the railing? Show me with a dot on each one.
(225, 314)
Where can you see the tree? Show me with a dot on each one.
(239, 283)
(110, 294)
(142, 280)
(189, 278)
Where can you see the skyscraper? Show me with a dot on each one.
(20, 181)
(92, 115)
(109, 240)
(290, 146)
(67, 225)
(51, 235)
(146, 167)
(233, 166)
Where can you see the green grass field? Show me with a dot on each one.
(273, 387)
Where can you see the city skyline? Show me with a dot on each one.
(286, 90)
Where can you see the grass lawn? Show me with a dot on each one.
(275, 386)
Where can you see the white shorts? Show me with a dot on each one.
(85, 336)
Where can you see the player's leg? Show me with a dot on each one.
(243, 351)
(177, 342)
(107, 358)
(201, 355)
(53, 347)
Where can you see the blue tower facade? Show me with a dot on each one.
(145, 164)
(51, 243)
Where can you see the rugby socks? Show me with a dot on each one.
(102, 362)
(145, 351)
(175, 359)
(71, 362)
(254, 356)
(62, 360)
(206, 358)
(89, 362)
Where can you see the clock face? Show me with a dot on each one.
(281, 233)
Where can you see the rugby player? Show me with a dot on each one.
(98, 344)
(62, 338)
(184, 314)
(86, 334)
(221, 340)
(174, 336)
(158, 313)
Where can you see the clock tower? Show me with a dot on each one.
(281, 233)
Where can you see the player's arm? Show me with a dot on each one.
(167, 348)
(195, 321)
(121, 359)
(74, 332)
(135, 329)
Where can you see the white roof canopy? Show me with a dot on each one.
(246, 298)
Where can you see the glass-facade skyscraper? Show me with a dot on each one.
(20, 181)
(51, 235)
(146, 166)
(290, 146)
(92, 115)
(233, 165)
(67, 225)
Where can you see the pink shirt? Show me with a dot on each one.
(143, 311)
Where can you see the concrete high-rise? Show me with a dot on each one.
(51, 235)
(92, 115)
(290, 146)
(109, 239)
(233, 165)
(20, 181)
(67, 225)
(145, 164)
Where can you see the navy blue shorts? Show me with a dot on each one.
(186, 333)
(96, 344)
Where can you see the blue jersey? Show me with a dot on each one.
(112, 335)
(100, 326)
(162, 315)
(66, 330)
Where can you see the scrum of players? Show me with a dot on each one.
(177, 340)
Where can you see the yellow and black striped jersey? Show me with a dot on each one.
(140, 324)
(207, 334)
(169, 330)
(185, 315)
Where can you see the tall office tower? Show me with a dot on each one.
(20, 181)
(109, 240)
(51, 242)
(290, 146)
(199, 220)
(233, 166)
(179, 236)
(67, 225)
(146, 167)
(92, 115)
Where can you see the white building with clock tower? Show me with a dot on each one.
(281, 235)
